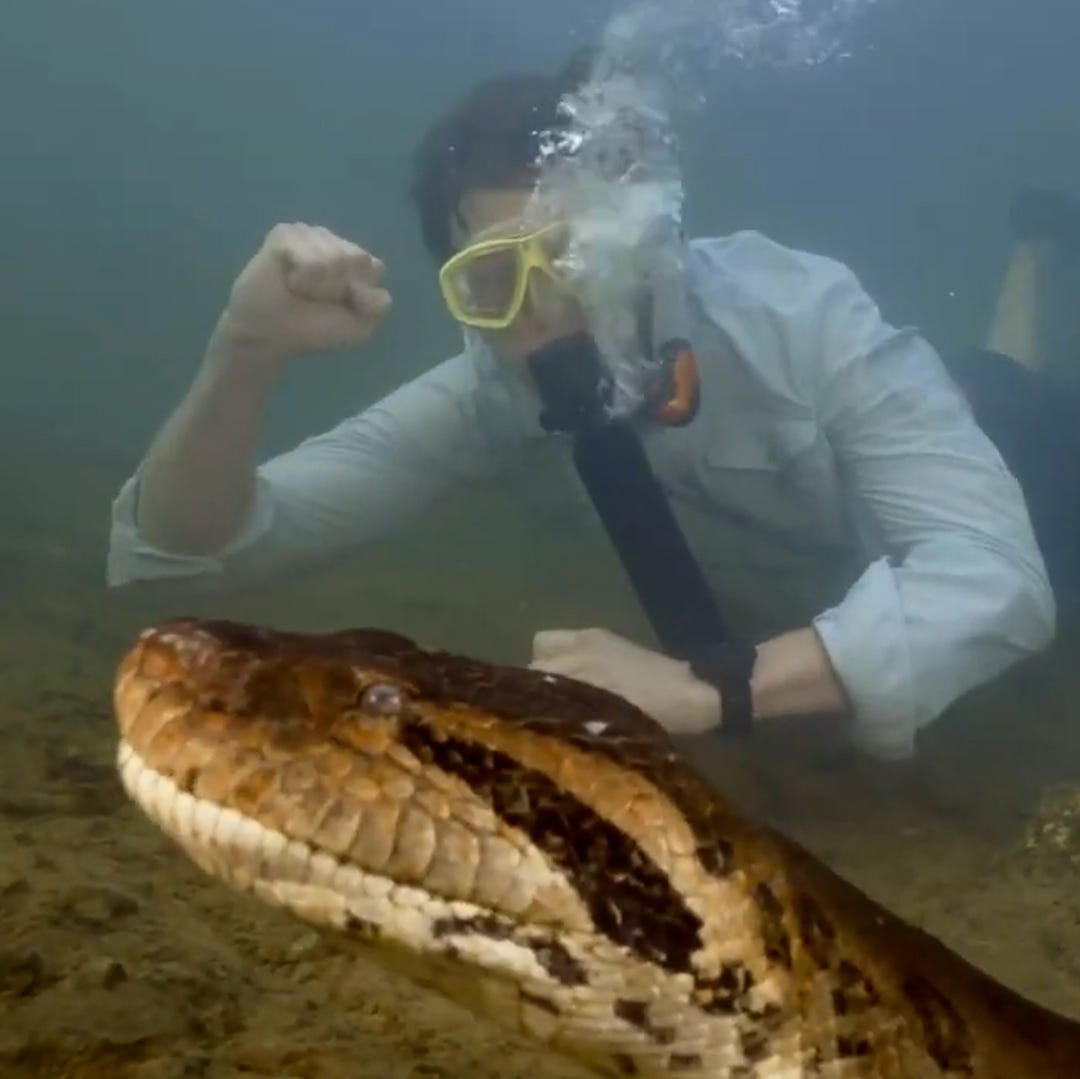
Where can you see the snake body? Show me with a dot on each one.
(536, 850)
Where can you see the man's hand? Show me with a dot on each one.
(305, 290)
(664, 688)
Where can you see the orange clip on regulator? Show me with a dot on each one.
(674, 394)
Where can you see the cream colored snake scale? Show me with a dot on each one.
(536, 850)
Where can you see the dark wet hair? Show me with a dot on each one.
(490, 138)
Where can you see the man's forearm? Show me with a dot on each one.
(197, 479)
(794, 676)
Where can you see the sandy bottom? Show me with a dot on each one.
(119, 960)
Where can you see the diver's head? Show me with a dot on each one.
(474, 177)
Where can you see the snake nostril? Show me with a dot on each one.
(382, 700)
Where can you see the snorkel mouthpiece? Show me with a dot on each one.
(574, 387)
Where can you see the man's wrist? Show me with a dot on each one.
(234, 352)
(727, 667)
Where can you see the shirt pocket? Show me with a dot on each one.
(774, 479)
(758, 504)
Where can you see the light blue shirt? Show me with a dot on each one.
(834, 476)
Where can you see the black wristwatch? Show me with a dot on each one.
(729, 665)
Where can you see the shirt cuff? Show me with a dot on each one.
(131, 558)
(866, 641)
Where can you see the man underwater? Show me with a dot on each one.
(853, 519)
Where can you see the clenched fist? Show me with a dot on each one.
(306, 290)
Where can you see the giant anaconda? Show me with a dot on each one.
(536, 850)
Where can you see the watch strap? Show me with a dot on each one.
(729, 666)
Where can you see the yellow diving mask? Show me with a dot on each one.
(485, 284)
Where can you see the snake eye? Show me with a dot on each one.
(382, 700)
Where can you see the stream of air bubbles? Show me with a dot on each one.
(613, 167)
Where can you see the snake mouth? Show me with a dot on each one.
(489, 963)
(285, 871)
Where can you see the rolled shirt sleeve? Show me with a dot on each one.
(958, 591)
(337, 489)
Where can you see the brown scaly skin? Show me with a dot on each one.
(535, 849)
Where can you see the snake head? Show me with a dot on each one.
(510, 837)
(361, 777)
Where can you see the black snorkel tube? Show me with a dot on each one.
(574, 389)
